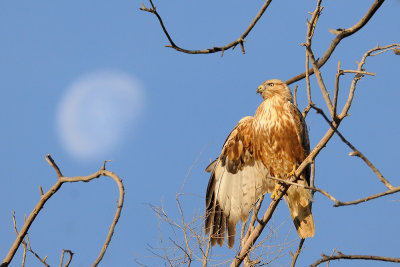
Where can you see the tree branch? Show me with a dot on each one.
(69, 259)
(298, 251)
(355, 151)
(339, 256)
(45, 197)
(365, 199)
(342, 33)
(215, 49)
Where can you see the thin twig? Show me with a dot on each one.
(306, 187)
(357, 77)
(295, 95)
(254, 217)
(310, 33)
(298, 251)
(358, 72)
(335, 95)
(62, 257)
(23, 241)
(205, 257)
(320, 80)
(34, 253)
(52, 163)
(312, 178)
(343, 34)
(339, 256)
(70, 257)
(337, 202)
(45, 197)
(27, 245)
(365, 199)
(355, 151)
(215, 49)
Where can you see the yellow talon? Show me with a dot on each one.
(274, 194)
(293, 172)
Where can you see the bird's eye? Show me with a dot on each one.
(270, 84)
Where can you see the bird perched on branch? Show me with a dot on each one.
(272, 143)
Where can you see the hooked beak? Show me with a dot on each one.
(260, 89)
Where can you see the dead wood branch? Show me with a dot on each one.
(240, 40)
(45, 197)
(340, 256)
(69, 258)
(341, 34)
(298, 251)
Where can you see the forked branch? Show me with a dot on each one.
(341, 34)
(340, 256)
(46, 196)
(240, 40)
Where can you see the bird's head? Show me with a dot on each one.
(274, 87)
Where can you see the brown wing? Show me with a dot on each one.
(237, 181)
(302, 133)
(298, 198)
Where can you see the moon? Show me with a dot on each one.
(96, 113)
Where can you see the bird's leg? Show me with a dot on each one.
(293, 172)
(274, 194)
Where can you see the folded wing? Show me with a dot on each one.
(237, 181)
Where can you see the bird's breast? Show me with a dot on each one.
(275, 139)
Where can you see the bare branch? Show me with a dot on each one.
(215, 49)
(23, 241)
(27, 246)
(307, 187)
(373, 52)
(388, 192)
(298, 251)
(116, 216)
(312, 178)
(339, 256)
(310, 32)
(45, 197)
(355, 151)
(295, 95)
(335, 95)
(69, 259)
(320, 81)
(51, 162)
(337, 202)
(254, 218)
(343, 33)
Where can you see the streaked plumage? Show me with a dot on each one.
(271, 143)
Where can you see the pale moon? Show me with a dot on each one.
(96, 113)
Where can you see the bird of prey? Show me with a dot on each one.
(272, 143)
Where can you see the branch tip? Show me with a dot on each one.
(104, 164)
(230, 45)
(52, 163)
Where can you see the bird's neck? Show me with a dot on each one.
(270, 109)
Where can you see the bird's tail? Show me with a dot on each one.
(299, 202)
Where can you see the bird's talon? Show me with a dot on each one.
(274, 194)
(293, 172)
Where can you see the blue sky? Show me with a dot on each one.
(188, 105)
